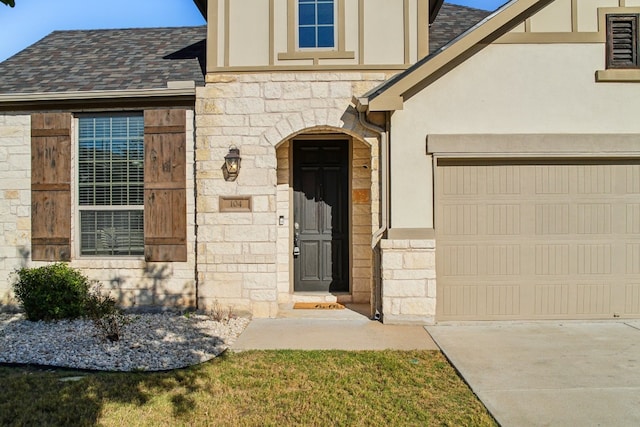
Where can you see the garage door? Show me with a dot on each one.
(537, 239)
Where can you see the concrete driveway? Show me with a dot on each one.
(550, 373)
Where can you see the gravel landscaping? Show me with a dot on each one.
(149, 342)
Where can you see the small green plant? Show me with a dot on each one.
(51, 292)
(101, 308)
(221, 313)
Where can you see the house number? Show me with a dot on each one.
(235, 204)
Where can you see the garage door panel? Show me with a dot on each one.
(594, 179)
(632, 180)
(593, 299)
(594, 218)
(460, 181)
(551, 300)
(503, 219)
(459, 260)
(594, 259)
(552, 218)
(503, 181)
(552, 260)
(633, 258)
(632, 218)
(632, 299)
(502, 260)
(538, 241)
(503, 300)
(552, 179)
(460, 301)
(463, 219)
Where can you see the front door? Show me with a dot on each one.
(321, 238)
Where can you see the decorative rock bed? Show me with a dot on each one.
(149, 342)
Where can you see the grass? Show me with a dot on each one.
(262, 388)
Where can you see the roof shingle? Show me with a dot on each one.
(87, 60)
(453, 20)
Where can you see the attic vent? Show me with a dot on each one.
(622, 41)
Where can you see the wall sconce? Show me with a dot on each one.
(231, 167)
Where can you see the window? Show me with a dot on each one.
(111, 184)
(622, 41)
(316, 24)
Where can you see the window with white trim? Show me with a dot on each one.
(110, 165)
(316, 24)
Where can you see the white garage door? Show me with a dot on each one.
(537, 239)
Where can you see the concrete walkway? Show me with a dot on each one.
(346, 329)
(550, 373)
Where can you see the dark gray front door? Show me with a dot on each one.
(321, 188)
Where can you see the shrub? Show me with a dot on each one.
(52, 292)
(106, 316)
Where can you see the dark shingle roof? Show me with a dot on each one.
(453, 20)
(141, 58)
(146, 58)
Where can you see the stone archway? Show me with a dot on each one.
(363, 213)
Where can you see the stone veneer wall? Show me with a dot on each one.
(408, 281)
(244, 258)
(15, 198)
(132, 281)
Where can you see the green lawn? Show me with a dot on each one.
(276, 388)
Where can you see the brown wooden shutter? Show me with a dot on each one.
(165, 204)
(51, 187)
(622, 41)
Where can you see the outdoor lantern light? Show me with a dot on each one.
(232, 164)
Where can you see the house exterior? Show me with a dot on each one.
(339, 151)
(522, 140)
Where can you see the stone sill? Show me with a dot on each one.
(408, 244)
(618, 75)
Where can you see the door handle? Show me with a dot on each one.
(296, 239)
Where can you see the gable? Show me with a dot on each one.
(391, 95)
(517, 22)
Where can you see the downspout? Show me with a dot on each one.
(384, 199)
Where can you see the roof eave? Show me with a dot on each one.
(202, 7)
(87, 99)
(434, 8)
(391, 95)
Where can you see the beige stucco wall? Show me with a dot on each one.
(384, 32)
(131, 280)
(555, 17)
(249, 38)
(504, 89)
(587, 13)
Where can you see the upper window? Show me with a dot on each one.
(316, 24)
(622, 41)
(111, 184)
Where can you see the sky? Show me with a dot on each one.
(31, 20)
